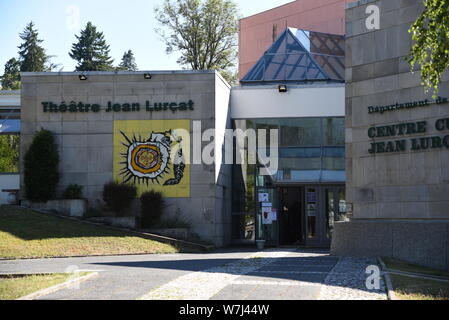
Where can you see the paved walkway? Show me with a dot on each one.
(266, 275)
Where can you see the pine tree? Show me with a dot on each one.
(128, 62)
(11, 76)
(91, 51)
(32, 55)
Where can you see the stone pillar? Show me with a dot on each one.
(399, 190)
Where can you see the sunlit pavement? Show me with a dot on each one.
(225, 275)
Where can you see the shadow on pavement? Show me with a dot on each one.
(311, 269)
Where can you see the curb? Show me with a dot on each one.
(57, 287)
(417, 275)
(388, 284)
(83, 256)
(151, 236)
(412, 274)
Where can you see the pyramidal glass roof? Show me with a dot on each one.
(300, 56)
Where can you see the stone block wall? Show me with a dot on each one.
(407, 184)
(417, 242)
(85, 140)
(400, 194)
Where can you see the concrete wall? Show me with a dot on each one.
(250, 102)
(404, 185)
(8, 182)
(85, 140)
(406, 192)
(418, 242)
(223, 171)
(257, 31)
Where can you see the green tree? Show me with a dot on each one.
(430, 49)
(41, 174)
(32, 55)
(203, 31)
(9, 153)
(128, 62)
(11, 76)
(91, 51)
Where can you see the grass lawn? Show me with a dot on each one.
(27, 234)
(13, 287)
(407, 288)
(408, 267)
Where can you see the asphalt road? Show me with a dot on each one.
(223, 275)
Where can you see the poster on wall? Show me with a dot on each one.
(311, 196)
(151, 154)
(266, 215)
(263, 197)
(311, 206)
(342, 206)
(266, 204)
(274, 215)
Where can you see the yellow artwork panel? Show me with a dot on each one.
(153, 154)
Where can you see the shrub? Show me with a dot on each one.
(118, 197)
(99, 211)
(152, 207)
(73, 191)
(41, 174)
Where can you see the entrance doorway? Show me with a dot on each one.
(300, 215)
(291, 219)
(304, 217)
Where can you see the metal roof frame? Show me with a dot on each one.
(300, 56)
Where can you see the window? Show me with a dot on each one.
(333, 158)
(310, 150)
(243, 175)
(301, 132)
(333, 131)
(299, 159)
(266, 124)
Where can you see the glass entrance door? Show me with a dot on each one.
(299, 215)
(335, 210)
(267, 216)
(324, 205)
(291, 217)
(313, 216)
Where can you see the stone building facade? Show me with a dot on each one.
(397, 144)
(101, 118)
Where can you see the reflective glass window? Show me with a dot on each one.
(301, 132)
(333, 131)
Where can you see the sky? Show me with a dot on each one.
(126, 25)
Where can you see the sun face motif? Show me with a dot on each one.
(146, 160)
